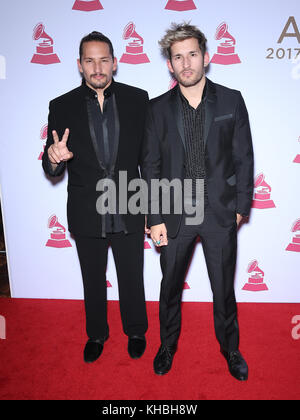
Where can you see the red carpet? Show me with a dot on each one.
(41, 357)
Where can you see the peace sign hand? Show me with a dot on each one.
(58, 151)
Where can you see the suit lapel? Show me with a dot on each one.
(116, 136)
(93, 133)
(176, 106)
(210, 108)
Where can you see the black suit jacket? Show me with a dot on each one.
(86, 169)
(228, 152)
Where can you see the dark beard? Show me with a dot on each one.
(99, 85)
(190, 83)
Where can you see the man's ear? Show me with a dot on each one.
(115, 66)
(206, 59)
(79, 65)
(170, 67)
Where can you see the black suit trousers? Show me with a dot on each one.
(219, 246)
(128, 253)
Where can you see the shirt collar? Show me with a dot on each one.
(91, 93)
(204, 94)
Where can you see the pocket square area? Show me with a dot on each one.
(223, 117)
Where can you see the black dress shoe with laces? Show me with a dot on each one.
(236, 364)
(163, 360)
(93, 349)
(136, 346)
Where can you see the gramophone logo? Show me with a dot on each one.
(180, 5)
(186, 285)
(262, 194)
(295, 244)
(44, 50)
(297, 158)
(87, 5)
(134, 49)
(43, 136)
(147, 244)
(226, 50)
(58, 234)
(255, 279)
(2, 67)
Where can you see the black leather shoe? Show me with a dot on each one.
(93, 350)
(136, 346)
(163, 360)
(236, 364)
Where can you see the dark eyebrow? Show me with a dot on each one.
(190, 52)
(92, 58)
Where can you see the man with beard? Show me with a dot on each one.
(199, 131)
(96, 131)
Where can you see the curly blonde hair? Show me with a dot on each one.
(181, 32)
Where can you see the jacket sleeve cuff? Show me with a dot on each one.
(153, 220)
(242, 213)
(59, 169)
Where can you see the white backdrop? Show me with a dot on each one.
(262, 63)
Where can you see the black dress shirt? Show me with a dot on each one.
(193, 123)
(104, 126)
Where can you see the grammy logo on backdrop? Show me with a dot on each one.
(297, 158)
(87, 5)
(134, 49)
(146, 244)
(180, 5)
(44, 50)
(58, 236)
(255, 279)
(186, 286)
(262, 196)
(226, 50)
(295, 244)
(43, 136)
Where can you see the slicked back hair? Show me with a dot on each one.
(96, 36)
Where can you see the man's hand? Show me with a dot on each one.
(159, 235)
(238, 218)
(58, 151)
